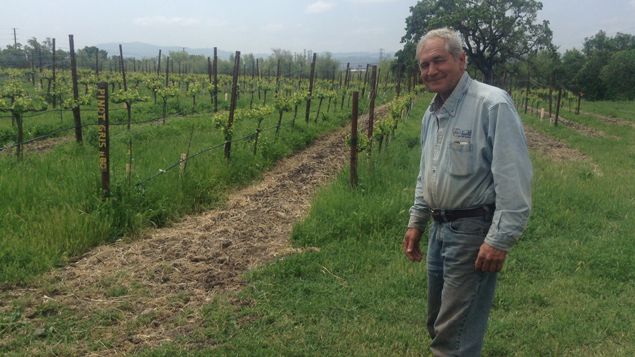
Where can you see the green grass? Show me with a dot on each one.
(43, 123)
(623, 109)
(50, 204)
(566, 289)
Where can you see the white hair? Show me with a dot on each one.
(453, 40)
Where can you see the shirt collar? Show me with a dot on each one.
(451, 104)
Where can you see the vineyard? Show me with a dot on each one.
(186, 250)
(177, 144)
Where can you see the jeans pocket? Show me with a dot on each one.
(470, 226)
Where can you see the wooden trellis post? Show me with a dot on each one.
(353, 171)
(104, 140)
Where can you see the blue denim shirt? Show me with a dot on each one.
(474, 153)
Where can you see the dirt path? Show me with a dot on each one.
(153, 289)
(158, 284)
(582, 129)
(611, 120)
(39, 145)
(556, 150)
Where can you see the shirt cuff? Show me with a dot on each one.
(418, 221)
(501, 244)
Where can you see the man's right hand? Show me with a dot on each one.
(411, 244)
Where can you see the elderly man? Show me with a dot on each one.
(475, 183)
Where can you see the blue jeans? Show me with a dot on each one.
(459, 298)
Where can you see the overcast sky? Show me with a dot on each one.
(257, 26)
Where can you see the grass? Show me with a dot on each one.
(622, 109)
(50, 204)
(566, 289)
(616, 109)
(55, 119)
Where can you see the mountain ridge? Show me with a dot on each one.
(146, 50)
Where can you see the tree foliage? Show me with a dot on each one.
(572, 62)
(495, 31)
(603, 69)
(40, 55)
(602, 45)
(607, 72)
(618, 75)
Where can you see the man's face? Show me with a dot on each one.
(440, 71)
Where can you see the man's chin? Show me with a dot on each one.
(435, 88)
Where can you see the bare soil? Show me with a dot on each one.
(556, 150)
(39, 145)
(157, 285)
(582, 129)
(611, 120)
(551, 147)
(170, 271)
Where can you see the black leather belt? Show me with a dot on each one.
(449, 215)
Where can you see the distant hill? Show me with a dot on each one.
(359, 60)
(145, 50)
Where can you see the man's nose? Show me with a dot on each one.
(431, 70)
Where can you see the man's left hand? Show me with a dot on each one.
(490, 259)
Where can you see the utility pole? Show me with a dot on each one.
(15, 38)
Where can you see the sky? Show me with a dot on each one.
(257, 26)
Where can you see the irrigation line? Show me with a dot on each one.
(177, 163)
(44, 136)
(41, 137)
(54, 131)
(37, 113)
(55, 111)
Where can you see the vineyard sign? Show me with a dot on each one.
(104, 142)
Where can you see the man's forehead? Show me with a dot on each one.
(433, 50)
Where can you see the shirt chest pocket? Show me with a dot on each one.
(461, 158)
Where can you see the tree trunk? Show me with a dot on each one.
(488, 75)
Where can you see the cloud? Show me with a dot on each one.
(319, 7)
(632, 3)
(369, 31)
(375, 1)
(164, 20)
(273, 28)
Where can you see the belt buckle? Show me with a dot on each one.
(438, 215)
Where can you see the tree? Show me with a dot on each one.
(287, 67)
(13, 56)
(572, 62)
(87, 57)
(326, 66)
(589, 78)
(405, 60)
(624, 41)
(546, 70)
(597, 44)
(494, 31)
(600, 44)
(618, 75)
